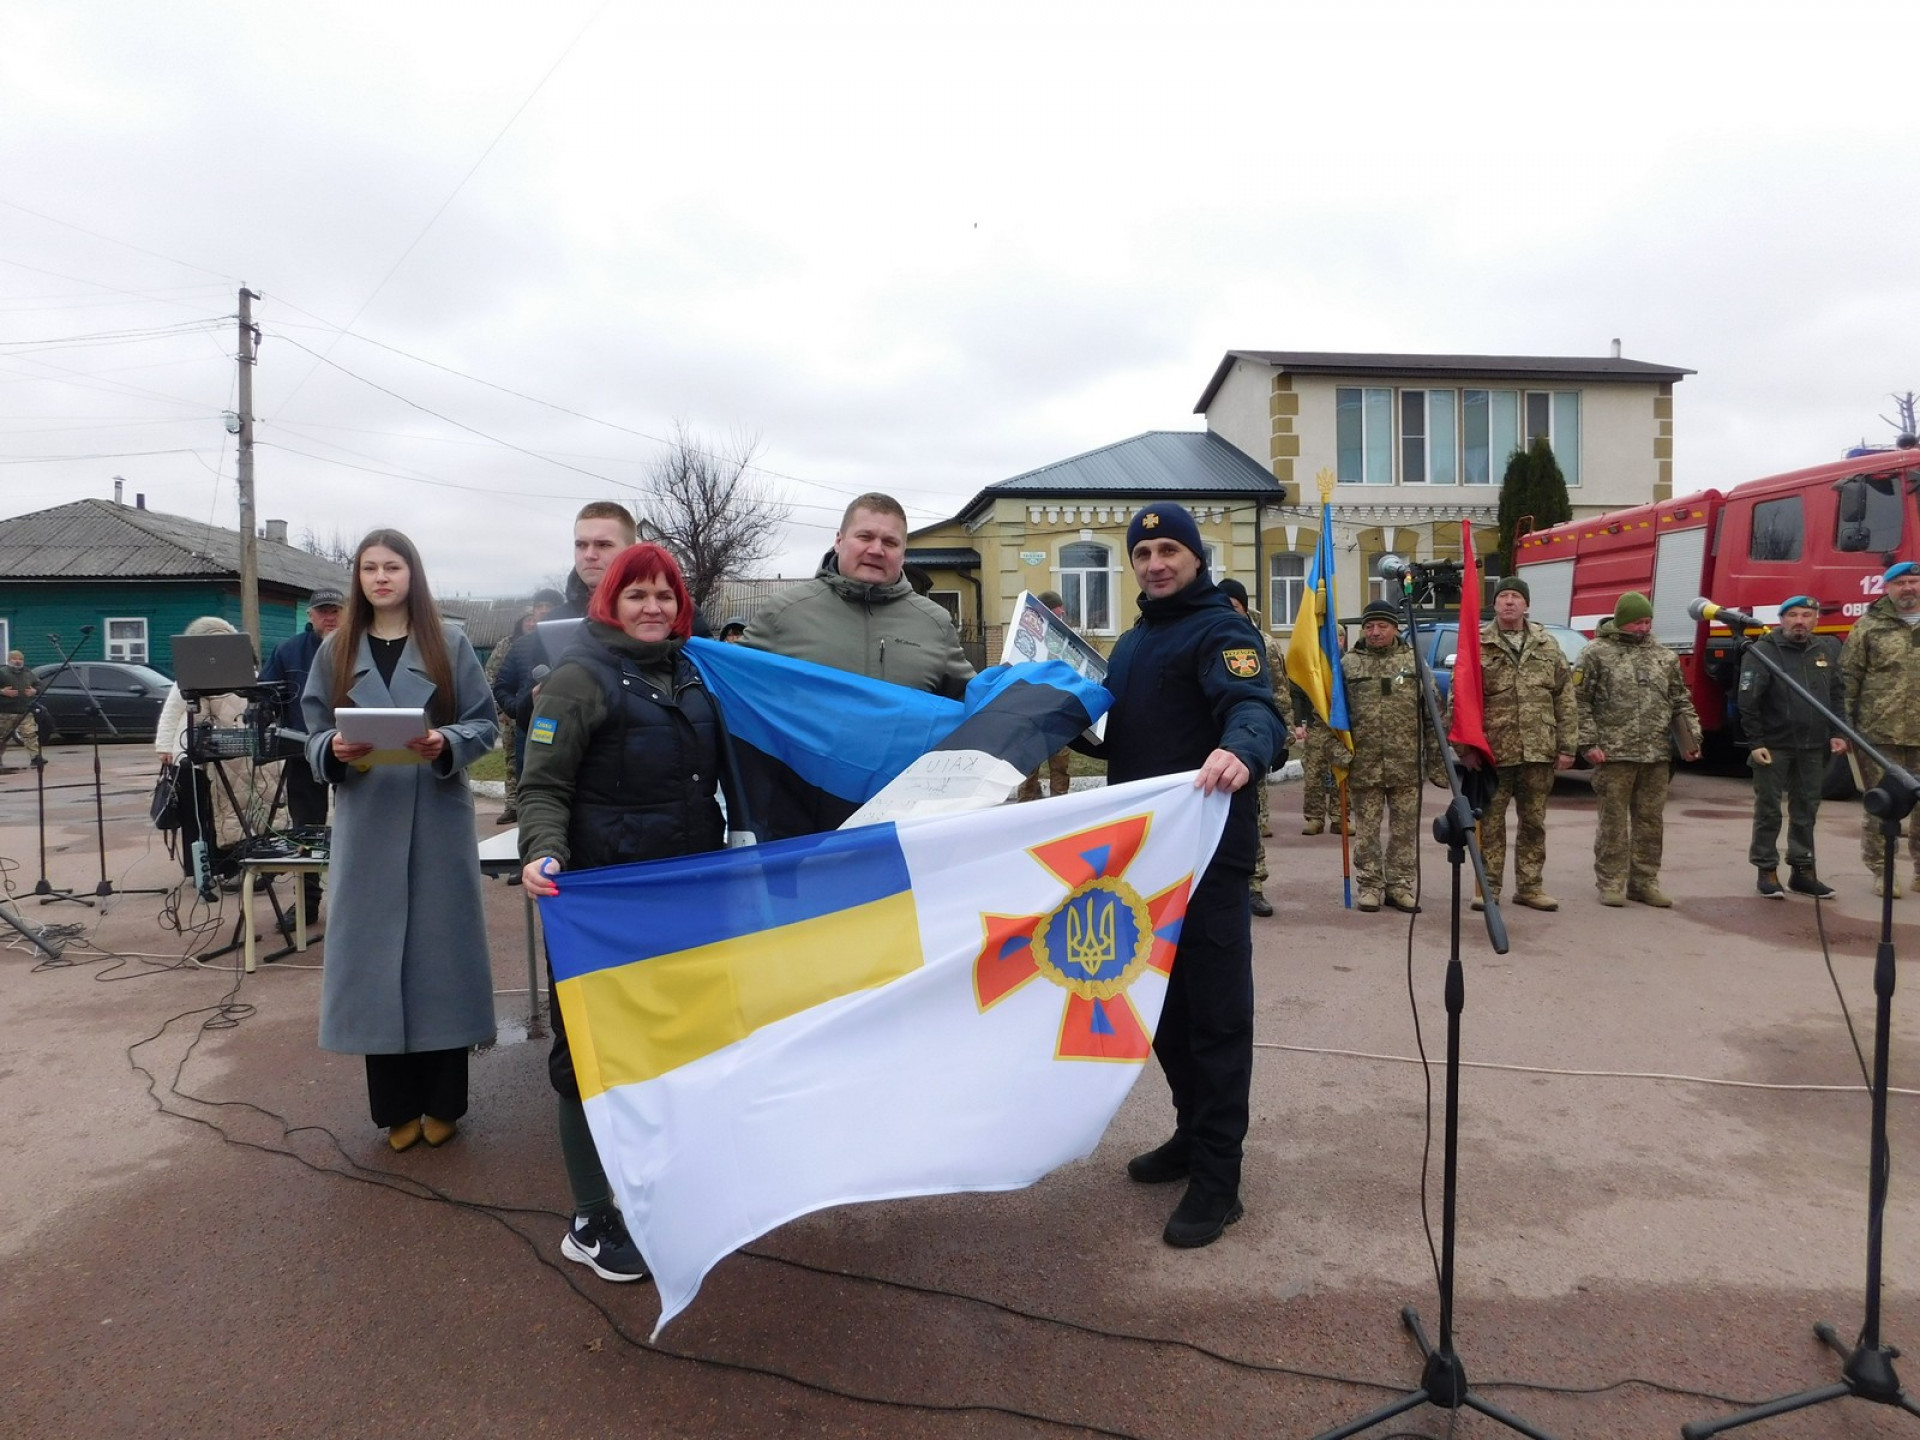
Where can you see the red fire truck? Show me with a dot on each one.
(1829, 532)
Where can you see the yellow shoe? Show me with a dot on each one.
(438, 1132)
(405, 1135)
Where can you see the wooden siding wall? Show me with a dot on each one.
(168, 606)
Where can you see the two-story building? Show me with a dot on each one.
(1414, 444)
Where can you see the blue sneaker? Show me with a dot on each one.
(601, 1243)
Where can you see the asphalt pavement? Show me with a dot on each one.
(1663, 1176)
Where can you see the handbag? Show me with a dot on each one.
(164, 808)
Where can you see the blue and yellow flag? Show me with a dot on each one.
(906, 1008)
(1313, 655)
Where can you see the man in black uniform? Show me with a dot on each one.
(1191, 692)
(289, 665)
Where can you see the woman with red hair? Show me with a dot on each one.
(624, 752)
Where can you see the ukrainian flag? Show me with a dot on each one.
(906, 1008)
(1313, 655)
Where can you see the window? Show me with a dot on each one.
(127, 640)
(1555, 417)
(1363, 435)
(1868, 516)
(1427, 437)
(6, 638)
(1777, 530)
(1086, 584)
(1490, 431)
(947, 600)
(1287, 583)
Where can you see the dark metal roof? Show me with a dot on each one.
(943, 557)
(1594, 369)
(99, 540)
(1161, 464)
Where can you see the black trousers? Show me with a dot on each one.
(424, 1082)
(1205, 1037)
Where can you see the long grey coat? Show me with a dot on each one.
(406, 959)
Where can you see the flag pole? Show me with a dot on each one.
(1346, 839)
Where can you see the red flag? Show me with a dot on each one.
(1467, 730)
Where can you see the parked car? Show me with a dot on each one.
(83, 699)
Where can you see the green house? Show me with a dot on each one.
(138, 577)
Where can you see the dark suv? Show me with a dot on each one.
(113, 699)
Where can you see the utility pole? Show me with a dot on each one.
(249, 546)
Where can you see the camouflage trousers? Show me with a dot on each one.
(506, 742)
(1872, 842)
(1059, 778)
(1794, 778)
(1320, 796)
(1401, 804)
(19, 729)
(1527, 786)
(1257, 882)
(1632, 830)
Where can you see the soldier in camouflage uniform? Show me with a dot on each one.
(1387, 716)
(1532, 725)
(1318, 748)
(1634, 708)
(1236, 594)
(1880, 669)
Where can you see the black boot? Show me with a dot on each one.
(1162, 1165)
(1769, 885)
(1201, 1219)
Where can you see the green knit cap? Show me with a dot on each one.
(1632, 606)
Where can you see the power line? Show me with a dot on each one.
(111, 240)
(434, 219)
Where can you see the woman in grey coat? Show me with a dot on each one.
(408, 983)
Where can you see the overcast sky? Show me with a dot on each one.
(902, 253)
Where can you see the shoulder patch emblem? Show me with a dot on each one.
(542, 730)
(1242, 663)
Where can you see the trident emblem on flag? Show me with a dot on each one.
(1092, 945)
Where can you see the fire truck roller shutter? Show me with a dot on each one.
(1679, 569)
(1551, 585)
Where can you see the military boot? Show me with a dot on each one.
(1650, 895)
(1313, 827)
(1769, 884)
(1802, 881)
(1615, 898)
(1879, 888)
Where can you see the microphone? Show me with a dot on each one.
(1705, 609)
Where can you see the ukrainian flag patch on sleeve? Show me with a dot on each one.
(541, 731)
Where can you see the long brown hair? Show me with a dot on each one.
(423, 624)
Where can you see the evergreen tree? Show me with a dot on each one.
(1533, 486)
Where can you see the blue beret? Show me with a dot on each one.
(1894, 572)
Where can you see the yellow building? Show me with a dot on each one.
(1415, 443)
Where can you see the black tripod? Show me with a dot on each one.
(1443, 1377)
(1866, 1371)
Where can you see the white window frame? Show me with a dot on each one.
(1565, 452)
(1076, 594)
(1284, 592)
(121, 650)
(6, 639)
(1375, 469)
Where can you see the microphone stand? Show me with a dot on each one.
(1866, 1371)
(1443, 1377)
(43, 887)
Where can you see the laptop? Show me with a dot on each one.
(213, 664)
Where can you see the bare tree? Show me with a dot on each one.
(335, 547)
(712, 511)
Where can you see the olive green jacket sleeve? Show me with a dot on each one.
(572, 705)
